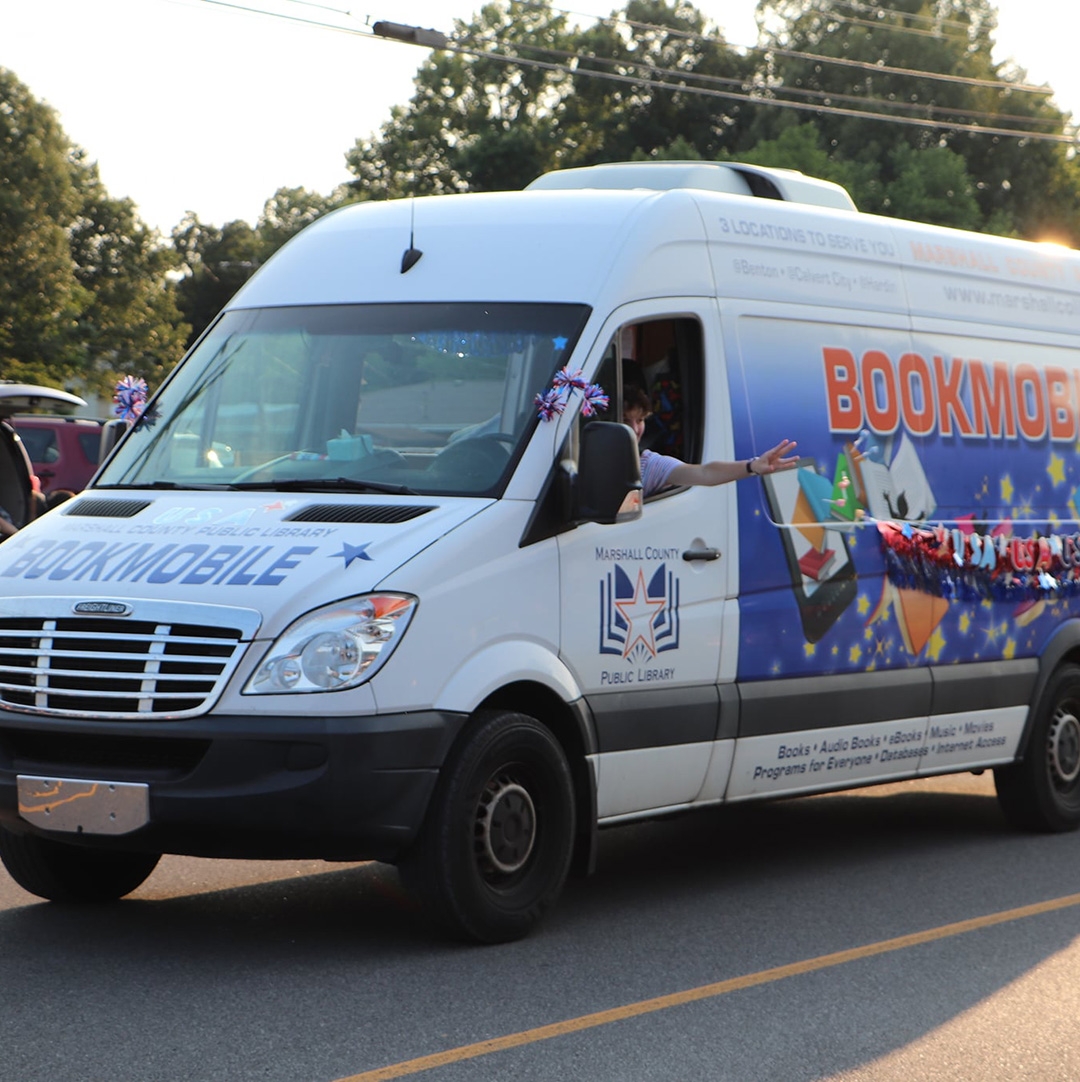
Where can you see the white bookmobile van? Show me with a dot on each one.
(372, 577)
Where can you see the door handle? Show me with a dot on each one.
(701, 554)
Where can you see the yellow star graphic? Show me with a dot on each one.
(1007, 489)
(965, 623)
(1056, 470)
(864, 604)
(1010, 650)
(935, 645)
(854, 654)
(809, 649)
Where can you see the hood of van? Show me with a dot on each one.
(279, 555)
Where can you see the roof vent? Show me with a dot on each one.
(736, 178)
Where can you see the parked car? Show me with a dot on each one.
(64, 451)
(17, 479)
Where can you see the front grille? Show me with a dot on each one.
(101, 667)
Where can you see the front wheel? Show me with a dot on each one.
(71, 873)
(495, 848)
(1042, 792)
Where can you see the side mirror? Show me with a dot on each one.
(111, 431)
(607, 488)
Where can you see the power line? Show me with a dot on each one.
(751, 99)
(778, 50)
(876, 9)
(750, 85)
(679, 87)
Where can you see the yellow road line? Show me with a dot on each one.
(705, 991)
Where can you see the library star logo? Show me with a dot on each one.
(639, 617)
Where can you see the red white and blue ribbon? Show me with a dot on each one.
(963, 563)
(129, 397)
(553, 402)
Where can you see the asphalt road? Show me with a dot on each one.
(895, 933)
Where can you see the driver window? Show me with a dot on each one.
(664, 358)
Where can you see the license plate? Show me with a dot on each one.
(72, 806)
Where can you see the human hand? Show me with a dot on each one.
(775, 459)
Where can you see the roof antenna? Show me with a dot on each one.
(412, 254)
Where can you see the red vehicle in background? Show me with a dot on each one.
(64, 451)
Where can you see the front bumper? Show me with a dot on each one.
(237, 786)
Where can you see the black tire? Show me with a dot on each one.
(495, 848)
(1042, 791)
(71, 873)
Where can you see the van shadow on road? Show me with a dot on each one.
(674, 904)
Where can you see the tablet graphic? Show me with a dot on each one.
(819, 560)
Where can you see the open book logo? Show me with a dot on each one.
(639, 618)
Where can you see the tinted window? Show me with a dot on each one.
(40, 444)
(434, 397)
(90, 444)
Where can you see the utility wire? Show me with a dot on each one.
(752, 85)
(692, 35)
(751, 99)
(876, 9)
(681, 86)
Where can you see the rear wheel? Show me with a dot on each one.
(495, 848)
(71, 873)
(1042, 792)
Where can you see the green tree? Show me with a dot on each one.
(479, 122)
(937, 171)
(219, 260)
(40, 297)
(84, 294)
(131, 324)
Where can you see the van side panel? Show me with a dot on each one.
(910, 573)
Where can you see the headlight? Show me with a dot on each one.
(334, 648)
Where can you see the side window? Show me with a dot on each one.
(90, 442)
(664, 357)
(40, 444)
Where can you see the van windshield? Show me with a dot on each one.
(424, 398)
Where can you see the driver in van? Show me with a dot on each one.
(661, 471)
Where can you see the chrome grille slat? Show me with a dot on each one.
(54, 633)
(173, 663)
(74, 693)
(92, 674)
(19, 651)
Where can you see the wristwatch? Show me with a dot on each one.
(750, 465)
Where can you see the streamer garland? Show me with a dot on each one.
(967, 565)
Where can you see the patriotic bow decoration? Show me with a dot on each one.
(552, 402)
(129, 397)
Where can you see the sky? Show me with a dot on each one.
(198, 105)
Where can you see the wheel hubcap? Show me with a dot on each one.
(1063, 747)
(505, 825)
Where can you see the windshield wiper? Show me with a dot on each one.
(167, 486)
(324, 484)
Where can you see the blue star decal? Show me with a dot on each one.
(353, 552)
(559, 343)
